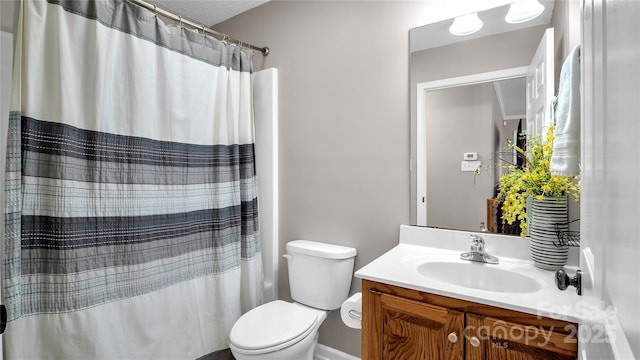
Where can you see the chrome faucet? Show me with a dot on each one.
(477, 252)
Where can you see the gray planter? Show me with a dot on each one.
(542, 217)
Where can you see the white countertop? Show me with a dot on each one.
(418, 244)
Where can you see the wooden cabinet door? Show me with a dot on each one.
(407, 329)
(488, 338)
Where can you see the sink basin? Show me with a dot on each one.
(478, 276)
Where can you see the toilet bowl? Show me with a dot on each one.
(286, 331)
(319, 277)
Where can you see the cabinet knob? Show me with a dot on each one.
(453, 337)
(475, 342)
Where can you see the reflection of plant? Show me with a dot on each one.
(534, 179)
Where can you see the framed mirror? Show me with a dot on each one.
(465, 87)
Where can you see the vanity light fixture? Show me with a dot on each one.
(523, 11)
(466, 24)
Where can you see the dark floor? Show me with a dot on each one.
(218, 355)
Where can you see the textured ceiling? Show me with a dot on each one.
(207, 12)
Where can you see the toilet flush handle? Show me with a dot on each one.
(287, 256)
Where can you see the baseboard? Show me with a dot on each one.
(323, 352)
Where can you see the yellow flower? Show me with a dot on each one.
(533, 180)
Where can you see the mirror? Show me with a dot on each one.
(466, 112)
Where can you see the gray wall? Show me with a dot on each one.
(6, 15)
(344, 125)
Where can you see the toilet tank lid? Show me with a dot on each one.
(318, 249)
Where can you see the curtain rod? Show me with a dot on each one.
(221, 36)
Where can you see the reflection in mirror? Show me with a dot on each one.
(454, 194)
(449, 200)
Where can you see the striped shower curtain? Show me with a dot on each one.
(131, 222)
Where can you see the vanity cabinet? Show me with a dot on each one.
(401, 324)
(412, 330)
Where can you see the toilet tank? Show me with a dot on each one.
(319, 274)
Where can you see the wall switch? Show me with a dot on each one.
(469, 165)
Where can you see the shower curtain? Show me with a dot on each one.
(131, 221)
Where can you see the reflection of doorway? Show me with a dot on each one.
(494, 206)
(421, 124)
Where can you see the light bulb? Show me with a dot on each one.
(523, 11)
(466, 24)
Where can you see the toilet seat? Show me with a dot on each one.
(272, 326)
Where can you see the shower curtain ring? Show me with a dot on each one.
(155, 9)
(203, 33)
(180, 20)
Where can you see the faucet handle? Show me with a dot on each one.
(477, 239)
(477, 251)
(477, 243)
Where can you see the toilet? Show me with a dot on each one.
(319, 277)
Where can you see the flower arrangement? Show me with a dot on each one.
(534, 179)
